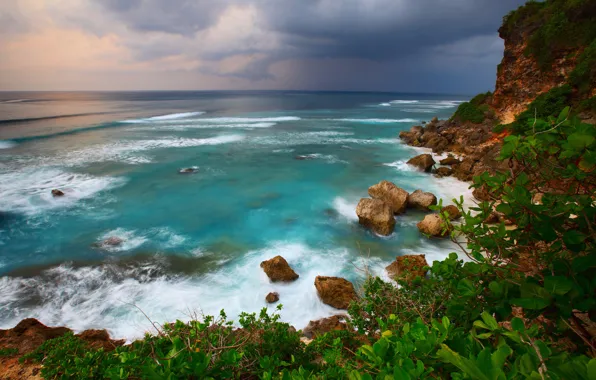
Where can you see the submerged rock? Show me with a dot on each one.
(112, 241)
(395, 197)
(421, 200)
(190, 170)
(278, 270)
(57, 193)
(336, 292)
(452, 211)
(272, 297)
(377, 215)
(433, 225)
(408, 266)
(325, 325)
(423, 162)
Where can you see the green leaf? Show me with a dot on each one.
(558, 285)
(467, 366)
(518, 325)
(580, 141)
(531, 303)
(505, 209)
(496, 288)
(574, 237)
(466, 288)
(563, 115)
(591, 367)
(490, 321)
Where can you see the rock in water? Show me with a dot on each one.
(433, 225)
(112, 241)
(324, 325)
(189, 170)
(443, 172)
(452, 211)
(278, 270)
(423, 162)
(450, 160)
(408, 266)
(335, 291)
(377, 215)
(392, 195)
(272, 297)
(57, 193)
(421, 200)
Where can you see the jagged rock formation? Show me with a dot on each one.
(335, 291)
(278, 270)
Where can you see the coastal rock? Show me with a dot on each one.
(112, 241)
(336, 292)
(421, 200)
(325, 325)
(278, 270)
(463, 170)
(481, 193)
(395, 197)
(452, 211)
(190, 170)
(272, 297)
(408, 266)
(443, 172)
(376, 215)
(57, 193)
(413, 135)
(438, 144)
(433, 225)
(423, 162)
(449, 160)
(100, 339)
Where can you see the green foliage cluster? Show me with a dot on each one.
(545, 105)
(519, 307)
(554, 25)
(588, 105)
(473, 111)
(583, 76)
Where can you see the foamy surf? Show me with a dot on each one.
(237, 120)
(173, 116)
(377, 121)
(6, 144)
(29, 191)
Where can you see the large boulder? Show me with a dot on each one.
(325, 325)
(449, 160)
(438, 144)
(423, 162)
(278, 270)
(413, 135)
(421, 200)
(452, 211)
(335, 291)
(395, 197)
(377, 215)
(433, 225)
(408, 267)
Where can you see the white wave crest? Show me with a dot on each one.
(30, 190)
(173, 116)
(401, 166)
(236, 120)
(404, 101)
(6, 144)
(377, 121)
(346, 208)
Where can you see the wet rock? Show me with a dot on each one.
(57, 193)
(190, 170)
(395, 197)
(438, 144)
(449, 160)
(376, 215)
(423, 162)
(272, 297)
(325, 325)
(112, 241)
(336, 292)
(433, 225)
(421, 200)
(408, 267)
(443, 172)
(452, 211)
(278, 270)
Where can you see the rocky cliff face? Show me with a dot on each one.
(519, 78)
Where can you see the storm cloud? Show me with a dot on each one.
(380, 45)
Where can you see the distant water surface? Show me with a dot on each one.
(278, 173)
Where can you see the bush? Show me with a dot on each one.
(545, 105)
(583, 77)
(469, 112)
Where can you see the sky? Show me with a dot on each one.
(433, 46)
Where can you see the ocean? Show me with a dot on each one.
(277, 173)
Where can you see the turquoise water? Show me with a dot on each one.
(278, 173)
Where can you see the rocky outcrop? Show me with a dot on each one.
(57, 193)
(433, 225)
(336, 292)
(481, 194)
(408, 267)
(443, 172)
(272, 297)
(376, 215)
(412, 136)
(395, 197)
(278, 270)
(421, 200)
(325, 325)
(449, 160)
(452, 211)
(423, 162)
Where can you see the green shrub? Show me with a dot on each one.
(545, 105)
(583, 76)
(469, 112)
